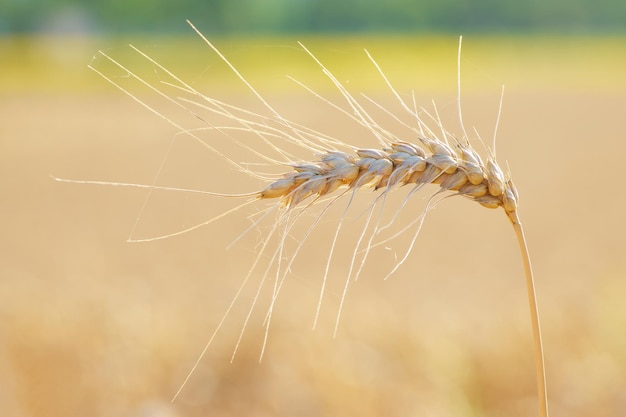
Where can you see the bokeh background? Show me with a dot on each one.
(93, 325)
(306, 16)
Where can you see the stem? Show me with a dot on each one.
(534, 315)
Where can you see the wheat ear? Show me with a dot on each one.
(456, 168)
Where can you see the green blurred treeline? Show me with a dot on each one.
(306, 16)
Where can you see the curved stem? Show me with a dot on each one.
(534, 315)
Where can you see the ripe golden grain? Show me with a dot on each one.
(403, 163)
(450, 163)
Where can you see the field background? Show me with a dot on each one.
(92, 325)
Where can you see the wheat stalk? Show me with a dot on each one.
(340, 171)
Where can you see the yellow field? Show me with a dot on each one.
(92, 325)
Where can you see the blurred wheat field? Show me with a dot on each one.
(92, 325)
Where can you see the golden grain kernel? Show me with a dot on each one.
(489, 201)
(430, 174)
(382, 167)
(509, 201)
(416, 163)
(334, 159)
(346, 173)
(513, 188)
(473, 190)
(474, 172)
(409, 148)
(371, 153)
(364, 163)
(495, 178)
(453, 181)
(278, 188)
(438, 147)
(315, 169)
(399, 157)
(444, 162)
